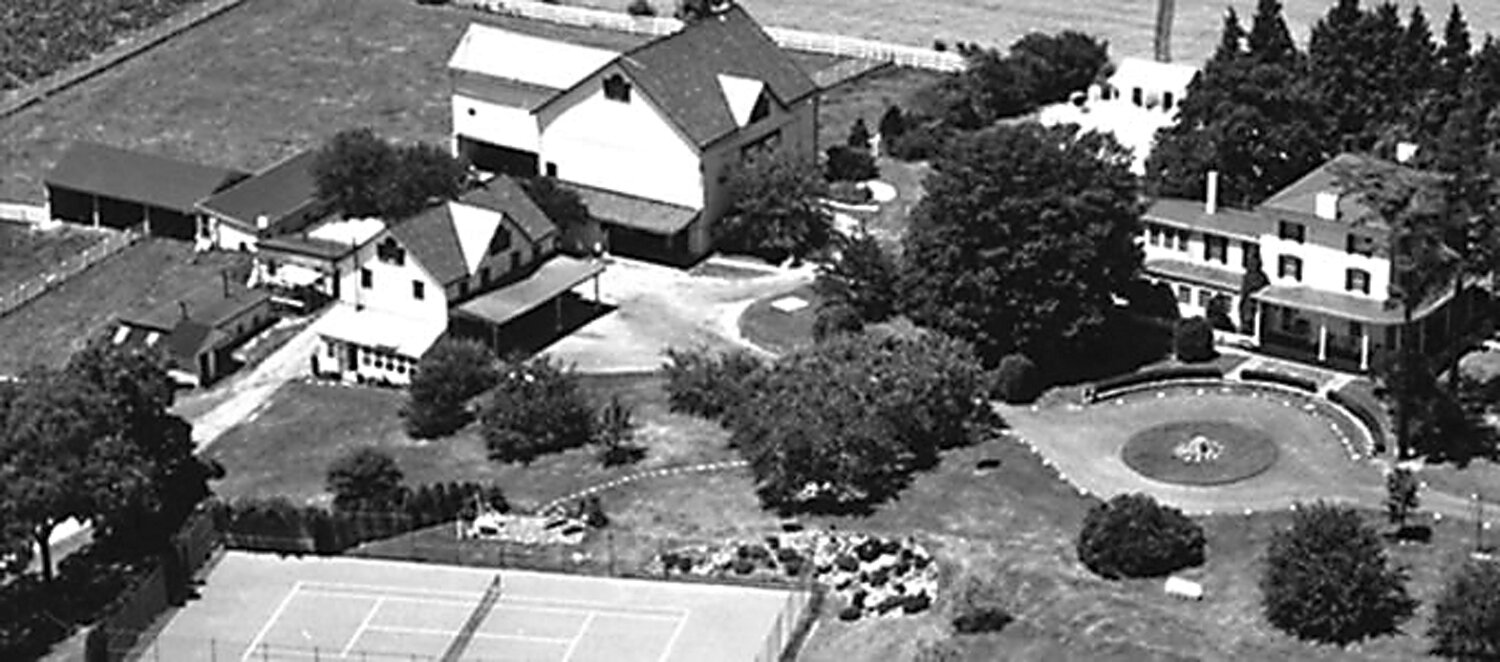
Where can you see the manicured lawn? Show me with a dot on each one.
(867, 98)
(777, 331)
(285, 449)
(26, 253)
(50, 328)
(269, 78)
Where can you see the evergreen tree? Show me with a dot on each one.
(1418, 60)
(1254, 118)
(1270, 42)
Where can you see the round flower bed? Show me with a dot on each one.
(1200, 452)
(869, 575)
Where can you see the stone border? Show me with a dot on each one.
(707, 467)
(129, 45)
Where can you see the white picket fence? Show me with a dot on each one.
(798, 40)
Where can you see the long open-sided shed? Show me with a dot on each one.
(100, 185)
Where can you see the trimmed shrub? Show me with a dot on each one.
(640, 8)
(1132, 535)
(919, 142)
(850, 613)
(1193, 340)
(989, 618)
(1366, 411)
(850, 164)
(1016, 379)
(859, 135)
(363, 476)
(1299, 383)
(1157, 374)
(892, 123)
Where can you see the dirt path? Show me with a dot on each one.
(661, 307)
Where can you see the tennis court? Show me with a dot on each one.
(264, 607)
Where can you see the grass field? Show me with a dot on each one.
(285, 449)
(1126, 24)
(269, 78)
(777, 331)
(26, 253)
(50, 328)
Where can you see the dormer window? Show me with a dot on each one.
(616, 88)
(501, 241)
(390, 252)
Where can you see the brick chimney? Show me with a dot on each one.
(1211, 196)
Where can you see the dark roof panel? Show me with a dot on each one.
(1224, 220)
(505, 195)
(634, 212)
(431, 238)
(137, 177)
(277, 192)
(680, 72)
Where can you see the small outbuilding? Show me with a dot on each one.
(99, 185)
(199, 332)
(279, 200)
(1186, 589)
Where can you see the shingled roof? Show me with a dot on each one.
(433, 239)
(681, 72)
(148, 179)
(277, 192)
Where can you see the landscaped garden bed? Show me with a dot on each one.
(1200, 452)
(871, 575)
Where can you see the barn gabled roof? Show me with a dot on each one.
(157, 181)
(278, 191)
(435, 240)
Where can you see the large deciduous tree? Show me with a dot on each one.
(448, 375)
(843, 424)
(778, 210)
(1327, 578)
(538, 407)
(361, 175)
(1024, 237)
(365, 478)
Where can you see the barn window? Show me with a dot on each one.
(418, 290)
(616, 88)
(390, 252)
(366, 278)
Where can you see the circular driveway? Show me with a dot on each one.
(1085, 444)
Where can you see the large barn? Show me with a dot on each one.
(100, 185)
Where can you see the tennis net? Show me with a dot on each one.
(476, 618)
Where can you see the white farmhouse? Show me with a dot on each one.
(648, 136)
(487, 260)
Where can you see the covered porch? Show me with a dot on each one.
(372, 346)
(1354, 333)
(531, 312)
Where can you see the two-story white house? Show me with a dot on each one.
(489, 257)
(1326, 257)
(648, 136)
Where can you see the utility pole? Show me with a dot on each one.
(1163, 42)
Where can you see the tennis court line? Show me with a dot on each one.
(372, 591)
(363, 625)
(577, 637)
(534, 605)
(438, 632)
(666, 652)
(265, 628)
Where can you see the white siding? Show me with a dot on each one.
(391, 286)
(1324, 267)
(230, 237)
(627, 147)
(493, 123)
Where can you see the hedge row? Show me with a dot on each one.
(1299, 383)
(278, 525)
(1157, 374)
(1364, 412)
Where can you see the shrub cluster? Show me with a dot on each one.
(279, 525)
(705, 384)
(1193, 340)
(1365, 409)
(977, 608)
(1132, 535)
